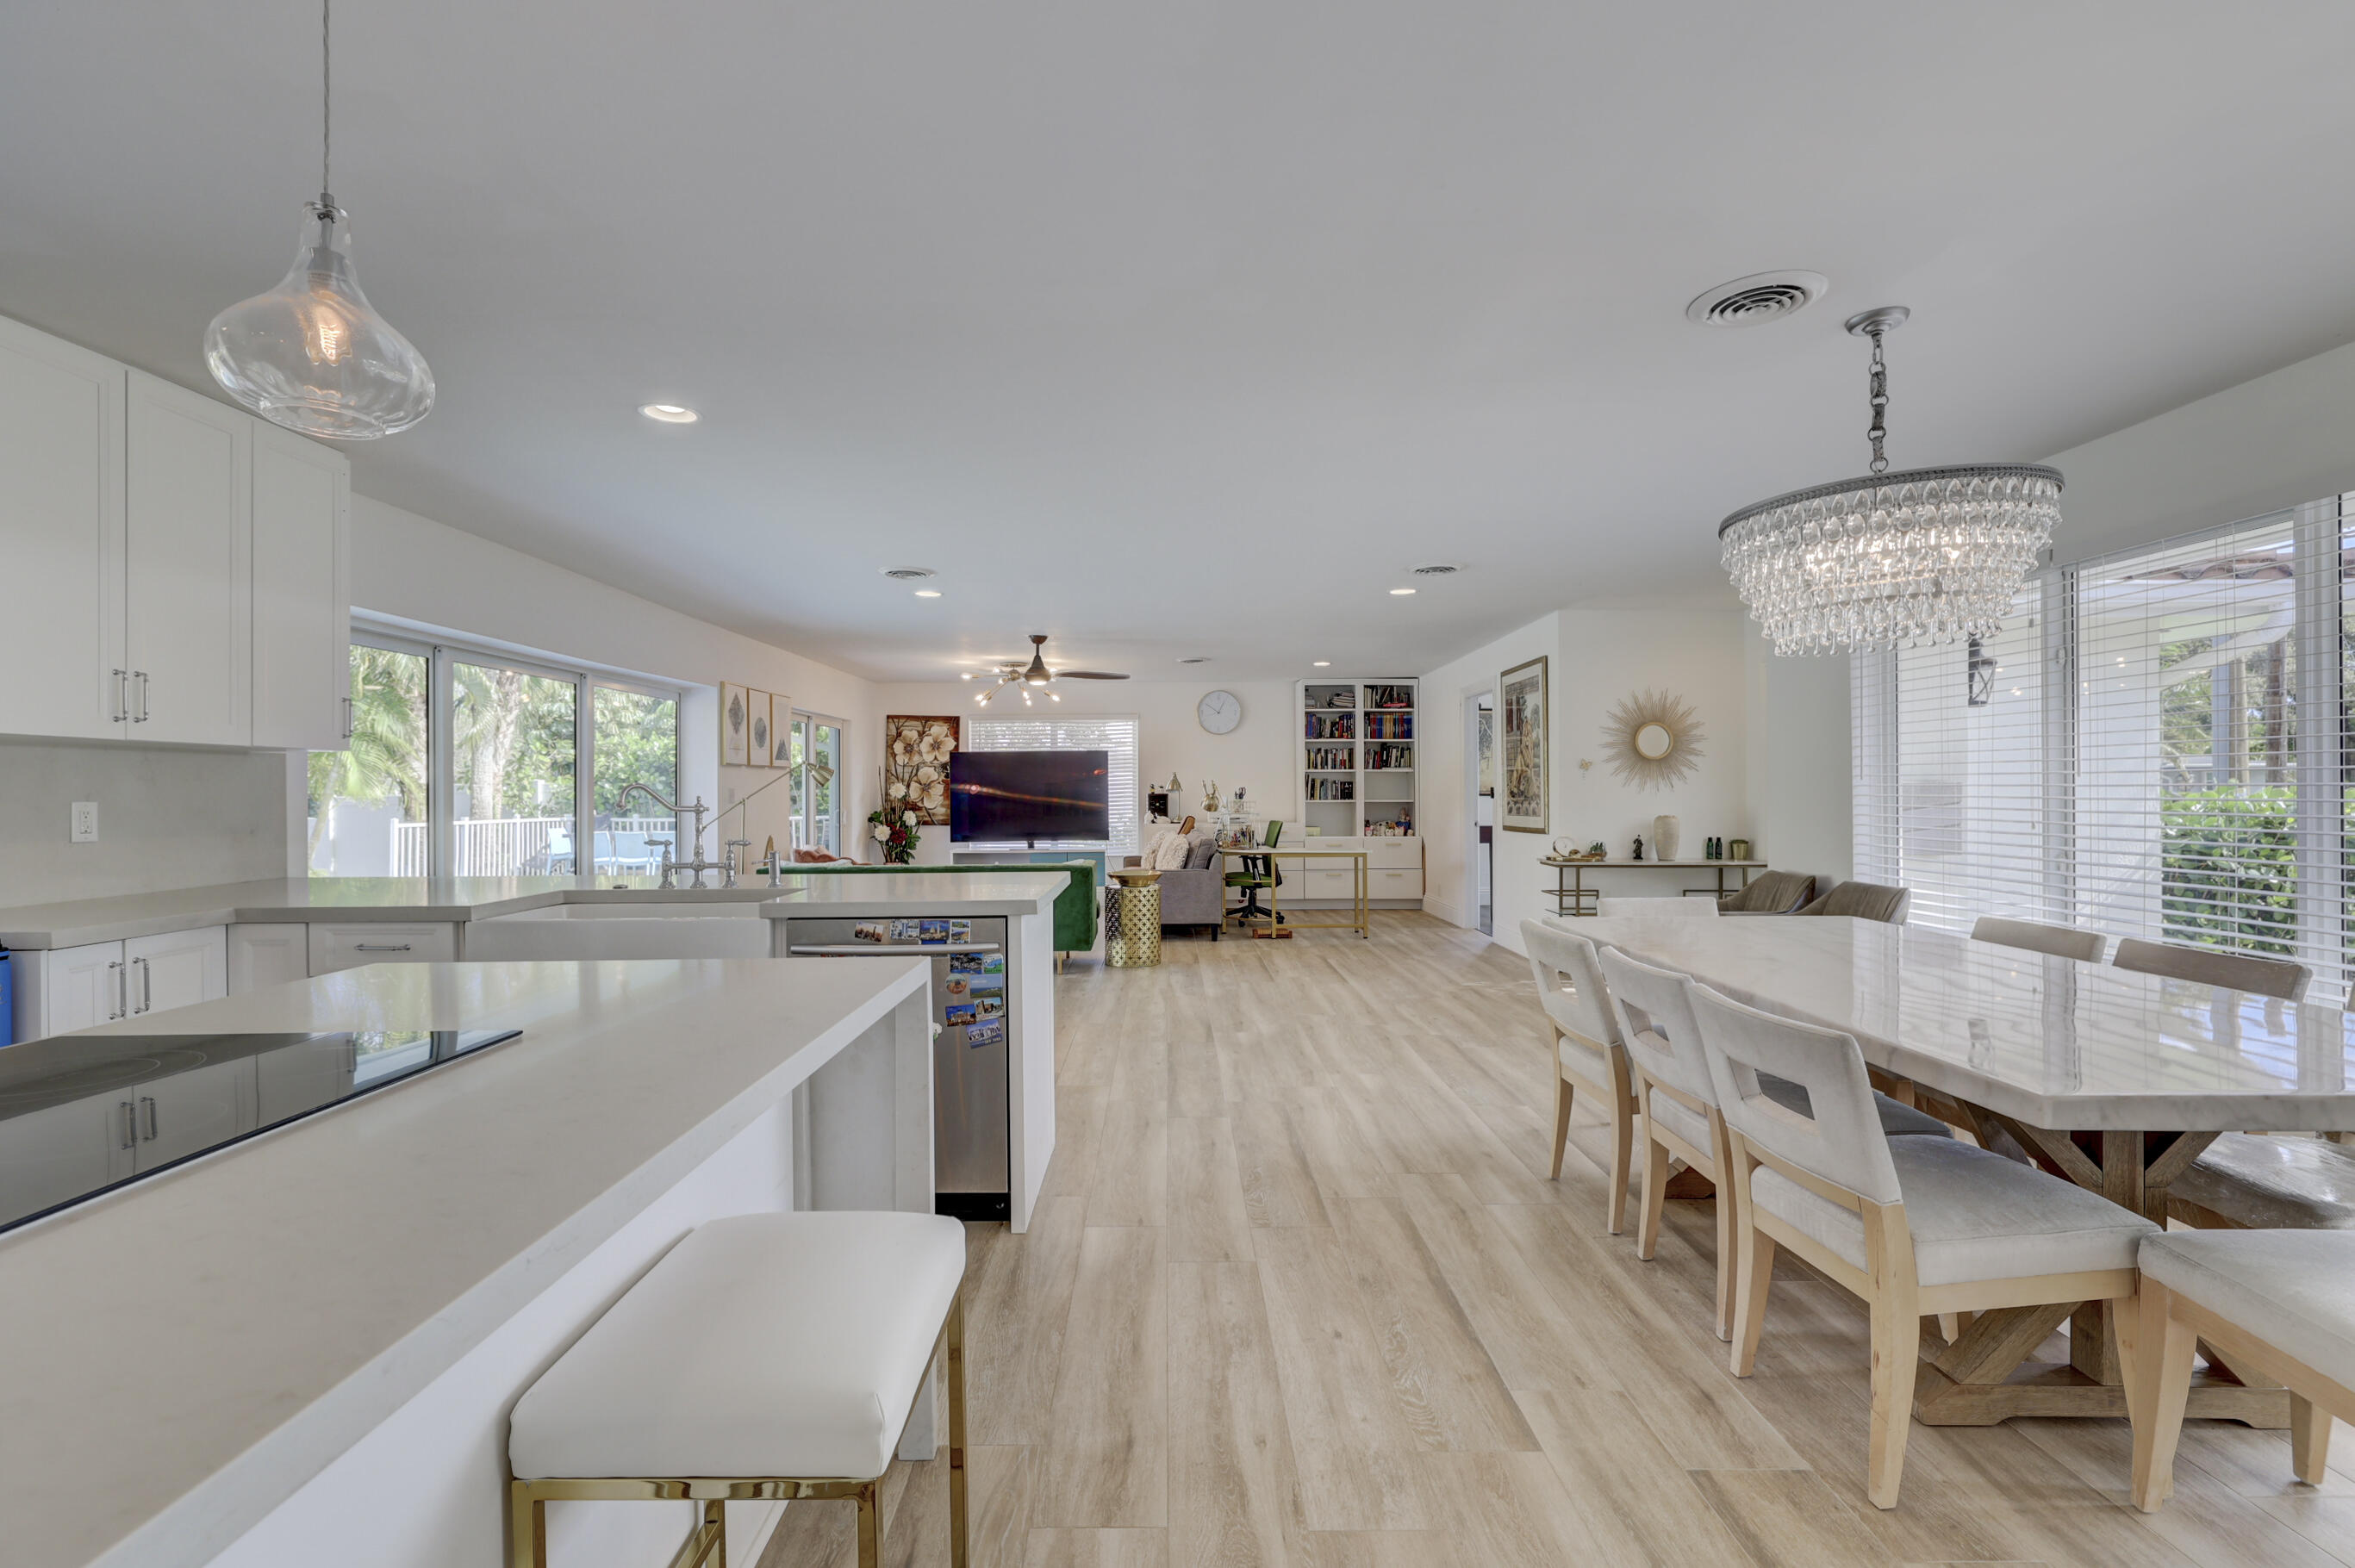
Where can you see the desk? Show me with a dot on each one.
(1577, 898)
(2115, 1080)
(1281, 928)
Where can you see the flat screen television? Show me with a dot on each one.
(1014, 797)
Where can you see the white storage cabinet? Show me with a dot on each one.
(60, 989)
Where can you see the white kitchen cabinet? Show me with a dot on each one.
(190, 1112)
(54, 1156)
(263, 955)
(334, 947)
(188, 566)
(301, 599)
(61, 475)
(174, 969)
(298, 1078)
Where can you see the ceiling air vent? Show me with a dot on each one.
(1198, 659)
(909, 573)
(1759, 298)
(1436, 571)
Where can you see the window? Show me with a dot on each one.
(484, 779)
(1114, 735)
(2152, 746)
(817, 795)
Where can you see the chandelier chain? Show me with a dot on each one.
(326, 108)
(1878, 383)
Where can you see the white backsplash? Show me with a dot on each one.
(168, 816)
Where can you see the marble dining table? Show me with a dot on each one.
(2115, 1080)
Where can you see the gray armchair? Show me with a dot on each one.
(1197, 895)
(1770, 892)
(1864, 900)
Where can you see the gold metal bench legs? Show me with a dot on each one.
(706, 1545)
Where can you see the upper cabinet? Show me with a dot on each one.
(62, 473)
(177, 567)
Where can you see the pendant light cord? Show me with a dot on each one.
(1879, 384)
(326, 109)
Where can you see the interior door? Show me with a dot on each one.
(61, 536)
(189, 583)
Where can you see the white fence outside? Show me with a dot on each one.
(531, 845)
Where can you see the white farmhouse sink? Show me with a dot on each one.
(679, 929)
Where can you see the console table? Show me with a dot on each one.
(1573, 896)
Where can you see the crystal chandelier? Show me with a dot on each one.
(312, 354)
(1915, 557)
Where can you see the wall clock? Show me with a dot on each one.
(1220, 712)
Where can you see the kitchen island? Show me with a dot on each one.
(302, 1348)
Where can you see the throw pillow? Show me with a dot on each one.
(1150, 856)
(1171, 853)
(1205, 853)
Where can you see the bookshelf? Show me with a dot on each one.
(1357, 759)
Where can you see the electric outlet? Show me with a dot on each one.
(85, 822)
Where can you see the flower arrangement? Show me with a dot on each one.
(894, 825)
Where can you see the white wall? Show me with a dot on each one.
(415, 569)
(1799, 756)
(1257, 754)
(168, 816)
(1598, 656)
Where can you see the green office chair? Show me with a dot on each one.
(1258, 871)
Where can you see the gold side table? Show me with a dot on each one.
(1132, 921)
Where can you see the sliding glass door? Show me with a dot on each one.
(514, 751)
(816, 787)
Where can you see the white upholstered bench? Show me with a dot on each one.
(766, 1356)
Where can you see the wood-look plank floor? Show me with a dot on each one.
(1300, 1293)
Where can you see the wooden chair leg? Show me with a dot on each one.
(870, 1525)
(958, 1538)
(1623, 1154)
(1728, 1244)
(1655, 1193)
(2310, 1439)
(1754, 1275)
(1950, 1326)
(1896, 1356)
(1563, 1093)
(2163, 1346)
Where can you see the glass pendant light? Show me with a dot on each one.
(1912, 559)
(312, 354)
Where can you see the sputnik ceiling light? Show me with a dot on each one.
(312, 354)
(1919, 557)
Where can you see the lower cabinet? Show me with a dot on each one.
(54, 1156)
(174, 1117)
(63, 988)
(263, 955)
(348, 947)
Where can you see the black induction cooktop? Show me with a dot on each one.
(82, 1115)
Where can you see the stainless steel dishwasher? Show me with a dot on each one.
(973, 1031)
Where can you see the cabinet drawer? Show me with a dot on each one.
(1392, 883)
(1394, 854)
(1327, 882)
(336, 947)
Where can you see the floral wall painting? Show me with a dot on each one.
(756, 734)
(916, 765)
(1521, 710)
(735, 724)
(1653, 740)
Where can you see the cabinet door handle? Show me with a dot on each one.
(121, 695)
(147, 1104)
(130, 1125)
(146, 984)
(379, 947)
(122, 1005)
(140, 676)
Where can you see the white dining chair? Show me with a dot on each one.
(1706, 908)
(1911, 1225)
(2060, 940)
(2281, 1303)
(2211, 967)
(1586, 1050)
(1672, 1089)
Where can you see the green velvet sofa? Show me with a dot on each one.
(1076, 909)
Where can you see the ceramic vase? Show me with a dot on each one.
(1665, 830)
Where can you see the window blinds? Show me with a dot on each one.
(2152, 746)
(1114, 735)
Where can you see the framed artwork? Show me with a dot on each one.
(756, 735)
(781, 732)
(1521, 710)
(916, 753)
(735, 725)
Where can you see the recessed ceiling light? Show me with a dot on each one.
(669, 414)
(928, 593)
(1324, 663)
(1401, 592)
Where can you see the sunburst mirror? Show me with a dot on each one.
(1653, 740)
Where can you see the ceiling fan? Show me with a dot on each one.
(1014, 672)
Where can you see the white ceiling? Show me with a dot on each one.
(1185, 329)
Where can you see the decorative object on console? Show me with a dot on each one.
(1922, 557)
(1667, 836)
(756, 735)
(1211, 796)
(312, 354)
(916, 751)
(1653, 740)
(1220, 712)
(1522, 702)
(1737, 849)
(735, 724)
(1640, 849)
(1564, 848)
(893, 826)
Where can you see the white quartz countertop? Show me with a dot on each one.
(2052, 1042)
(866, 896)
(351, 899)
(179, 1356)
